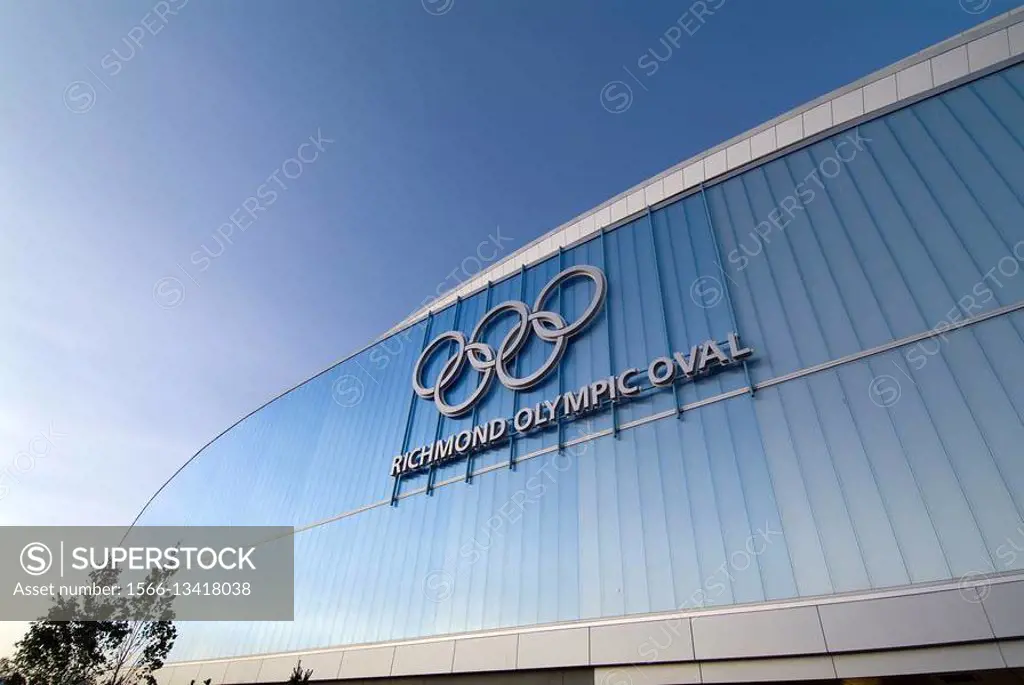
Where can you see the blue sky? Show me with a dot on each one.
(130, 132)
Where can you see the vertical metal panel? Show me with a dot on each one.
(474, 418)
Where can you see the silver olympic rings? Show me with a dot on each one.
(549, 326)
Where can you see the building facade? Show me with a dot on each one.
(759, 418)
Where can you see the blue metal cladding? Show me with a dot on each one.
(902, 467)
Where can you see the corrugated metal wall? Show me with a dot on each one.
(903, 467)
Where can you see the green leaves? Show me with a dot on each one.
(126, 647)
(299, 675)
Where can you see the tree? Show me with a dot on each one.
(300, 676)
(142, 637)
(63, 649)
(100, 640)
(9, 674)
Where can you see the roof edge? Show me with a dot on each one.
(968, 47)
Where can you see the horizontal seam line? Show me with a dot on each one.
(779, 380)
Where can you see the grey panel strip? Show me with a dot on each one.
(900, 594)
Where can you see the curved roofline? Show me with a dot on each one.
(962, 58)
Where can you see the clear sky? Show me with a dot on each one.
(131, 132)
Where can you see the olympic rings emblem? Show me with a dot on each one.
(549, 326)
